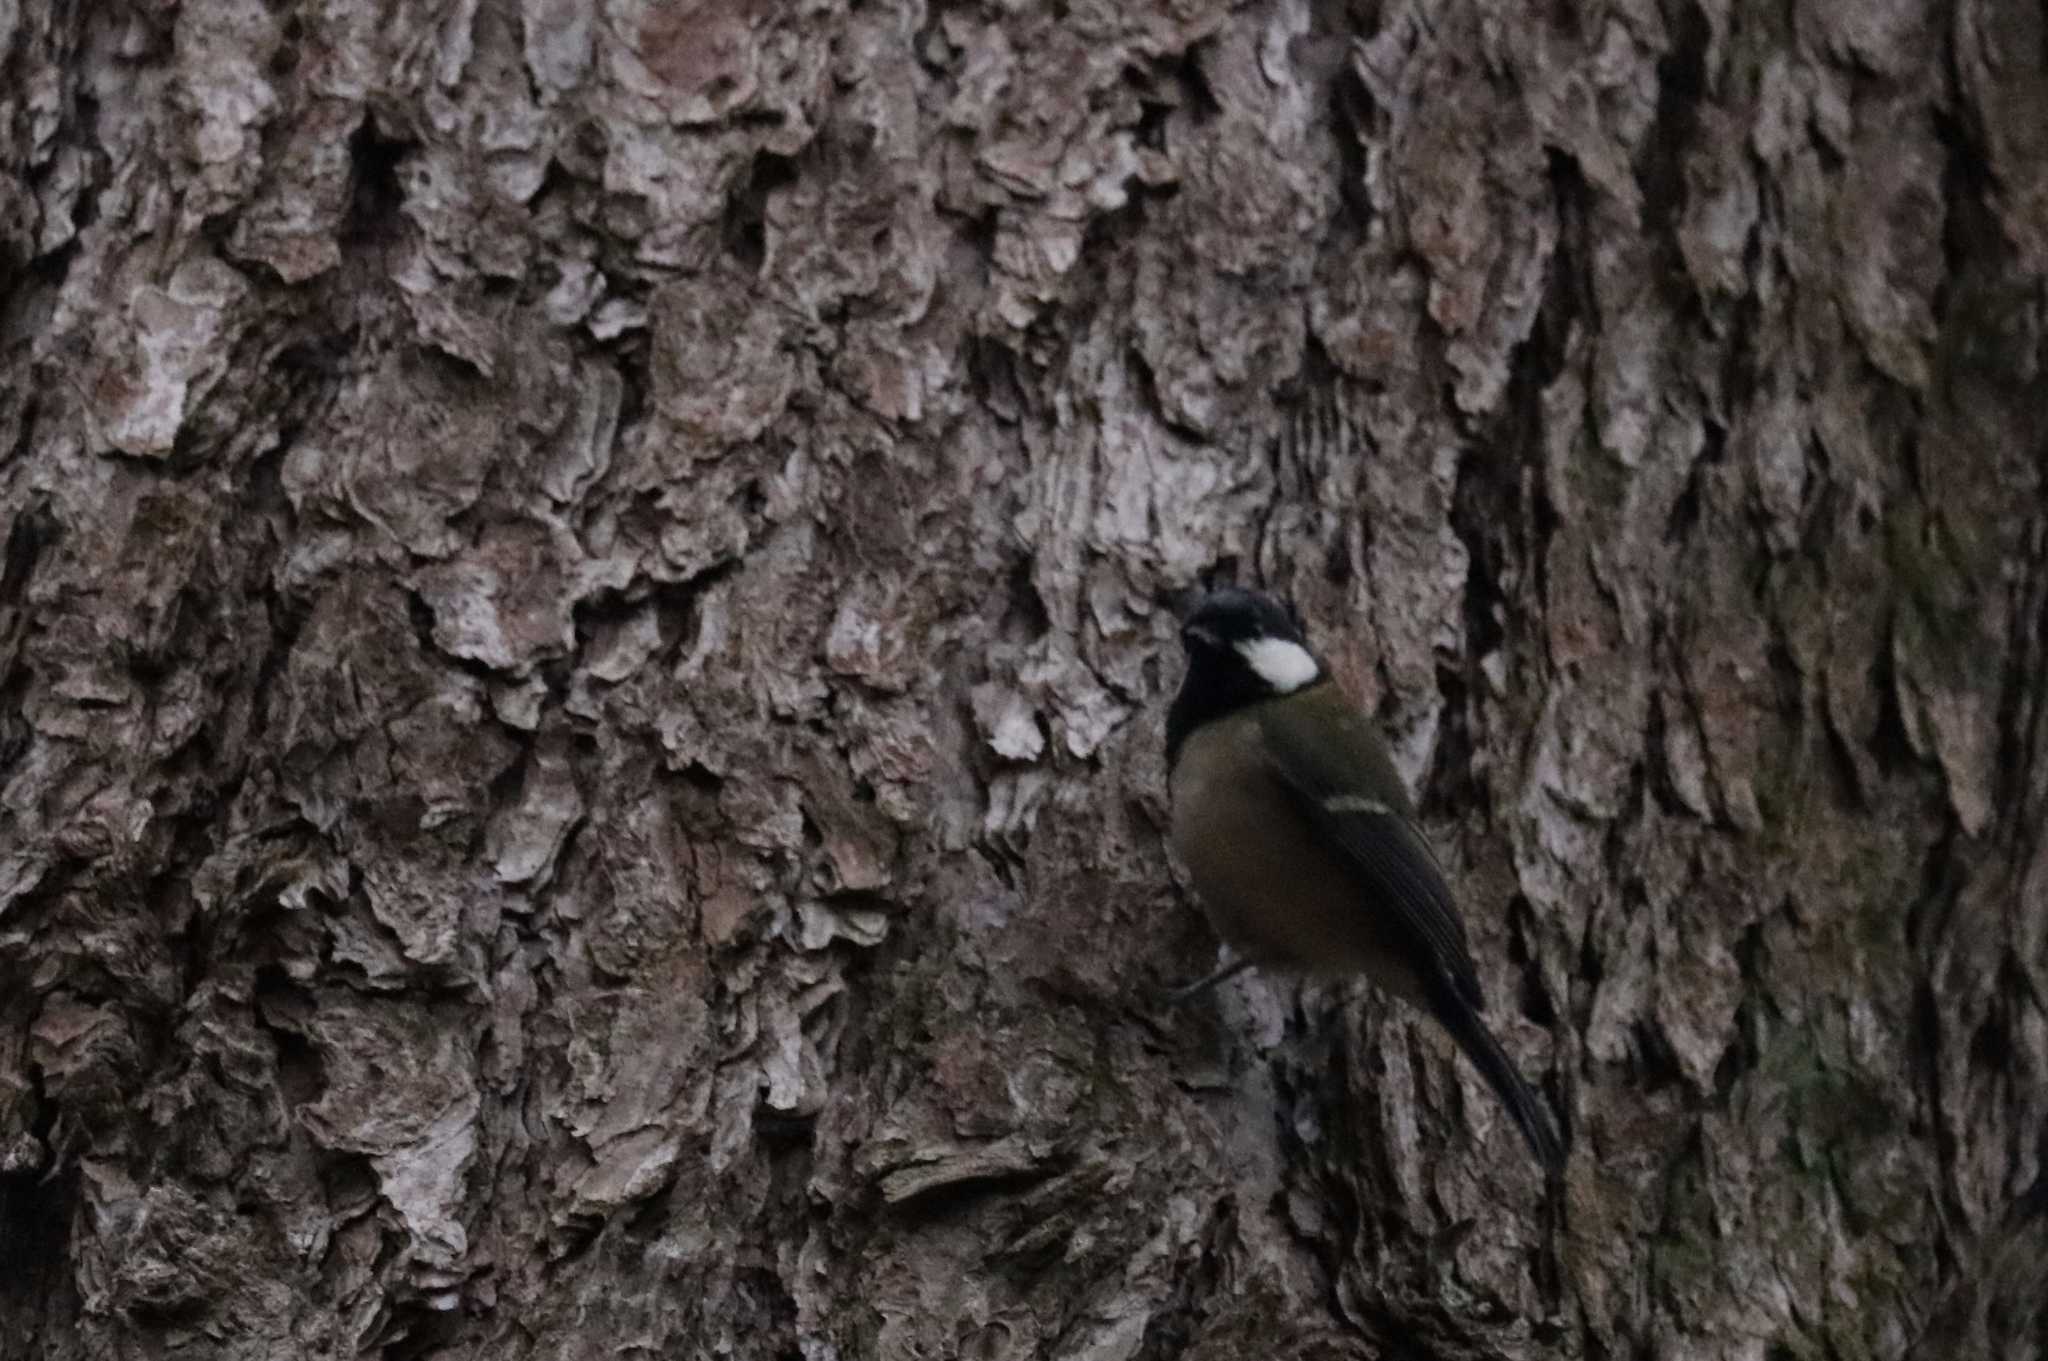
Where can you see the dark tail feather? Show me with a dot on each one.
(1494, 1065)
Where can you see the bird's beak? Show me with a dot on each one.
(1184, 601)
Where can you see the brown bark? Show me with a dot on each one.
(585, 622)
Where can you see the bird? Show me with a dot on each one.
(1301, 841)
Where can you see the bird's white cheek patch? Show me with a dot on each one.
(1279, 663)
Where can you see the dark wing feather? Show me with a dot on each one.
(1321, 761)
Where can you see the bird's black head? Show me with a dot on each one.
(1242, 647)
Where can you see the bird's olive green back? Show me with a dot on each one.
(1330, 756)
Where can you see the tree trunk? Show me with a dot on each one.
(587, 608)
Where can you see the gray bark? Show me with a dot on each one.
(586, 619)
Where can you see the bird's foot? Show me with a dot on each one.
(1175, 996)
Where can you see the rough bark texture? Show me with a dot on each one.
(585, 624)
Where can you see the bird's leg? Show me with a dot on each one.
(1174, 996)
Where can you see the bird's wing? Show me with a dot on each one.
(1321, 763)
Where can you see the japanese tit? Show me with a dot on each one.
(1302, 843)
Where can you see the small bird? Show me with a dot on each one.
(1301, 841)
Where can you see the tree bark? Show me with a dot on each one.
(587, 605)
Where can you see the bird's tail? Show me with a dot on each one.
(1499, 1071)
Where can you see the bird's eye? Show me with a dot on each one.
(1194, 635)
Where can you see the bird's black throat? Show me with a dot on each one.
(1208, 692)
